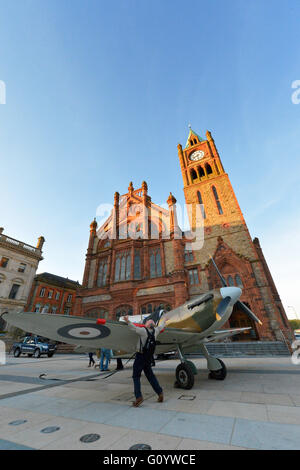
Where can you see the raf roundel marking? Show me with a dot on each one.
(84, 331)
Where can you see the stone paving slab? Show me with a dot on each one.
(32, 419)
(239, 410)
(37, 439)
(155, 440)
(109, 435)
(202, 427)
(193, 444)
(187, 406)
(12, 387)
(144, 419)
(267, 398)
(257, 406)
(96, 412)
(266, 436)
(284, 414)
(8, 445)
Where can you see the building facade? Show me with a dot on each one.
(140, 258)
(18, 264)
(52, 294)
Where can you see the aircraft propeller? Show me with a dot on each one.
(239, 304)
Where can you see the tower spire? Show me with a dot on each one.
(193, 138)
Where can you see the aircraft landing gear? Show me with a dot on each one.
(218, 374)
(185, 373)
(216, 367)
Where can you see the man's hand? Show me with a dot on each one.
(126, 319)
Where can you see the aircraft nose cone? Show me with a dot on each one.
(233, 292)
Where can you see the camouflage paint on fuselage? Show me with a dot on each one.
(199, 318)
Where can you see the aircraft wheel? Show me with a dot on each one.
(17, 352)
(219, 374)
(184, 377)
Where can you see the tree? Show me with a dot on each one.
(295, 324)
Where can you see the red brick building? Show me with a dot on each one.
(52, 294)
(133, 273)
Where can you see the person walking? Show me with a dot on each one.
(143, 358)
(105, 354)
(91, 362)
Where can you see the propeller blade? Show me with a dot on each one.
(219, 274)
(247, 311)
(239, 304)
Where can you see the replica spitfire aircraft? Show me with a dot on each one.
(187, 329)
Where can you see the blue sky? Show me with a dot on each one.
(99, 93)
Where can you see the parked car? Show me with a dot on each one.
(33, 346)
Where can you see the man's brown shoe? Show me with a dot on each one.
(138, 402)
(160, 398)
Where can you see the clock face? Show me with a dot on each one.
(197, 155)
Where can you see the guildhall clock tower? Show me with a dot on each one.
(227, 238)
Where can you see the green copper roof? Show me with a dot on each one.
(190, 134)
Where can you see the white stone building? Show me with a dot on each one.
(18, 264)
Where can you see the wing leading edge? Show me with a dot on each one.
(87, 333)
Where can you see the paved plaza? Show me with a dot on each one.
(256, 407)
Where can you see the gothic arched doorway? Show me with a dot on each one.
(239, 319)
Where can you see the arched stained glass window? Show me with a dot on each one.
(155, 262)
(123, 266)
(230, 281)
(217, 200)
(193, 276)
(188, 253)
(137, 264)
(202, 205)
(102, 271)
(238, 281)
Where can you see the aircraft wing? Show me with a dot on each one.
(217, 335)
(81, 331)
(221, 334)
(88, 335)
